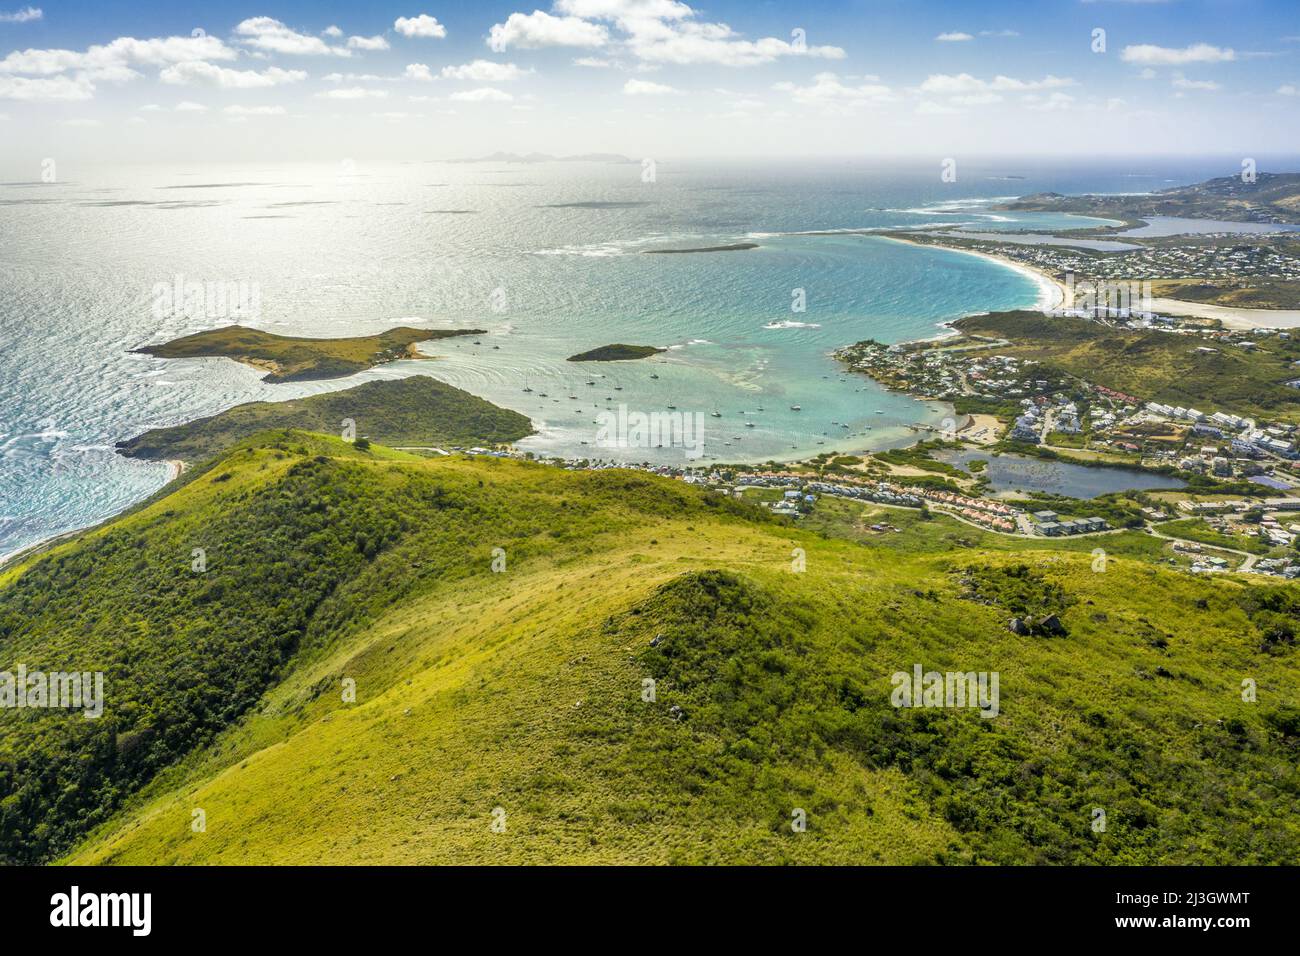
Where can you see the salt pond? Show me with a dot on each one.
(1019, 473)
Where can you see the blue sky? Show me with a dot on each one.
(130, 81)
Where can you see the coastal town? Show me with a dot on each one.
(1227, 257)
(1239, 473)
(796, 494)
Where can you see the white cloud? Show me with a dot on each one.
(953, 37)
(484, 71)
(976, 99)
(1149, 54)
(1289, 89)
(1183, 83)
(420, 26)
(46, 88)
(1000, 33)
(830, 93)
(189, 106)
(25, 15)
(963, 84)
(693, 43)
(114, 60)
(356, 78)
(266, 33)
(418, 71)
(238, 110)
(931, 108)
(198, 72)
(646, 88)
(485, 94)
(539, 29)
(625, 9)
(332, 31)
(354, 93)
(665, 31)
(1049, 103)
(594, 62)
(367, 43)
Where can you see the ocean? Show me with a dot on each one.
(547, 257)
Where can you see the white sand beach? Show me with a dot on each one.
(1231, 316)
(1051, 293)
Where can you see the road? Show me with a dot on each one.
(1245, 565)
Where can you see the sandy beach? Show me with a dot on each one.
(1051, 293)
(1230, 316)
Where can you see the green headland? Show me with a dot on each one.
(289, 359)
(417, 411)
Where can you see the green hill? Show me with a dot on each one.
(417, 411)
(294, 359)
(1272, 197)
(500, 716)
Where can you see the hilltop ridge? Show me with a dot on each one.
(516, 681)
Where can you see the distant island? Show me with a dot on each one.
(616, 353)
(733, 247)
(1271, 198)
(289, 359)
(410, 412)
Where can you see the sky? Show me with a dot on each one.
(307, 81)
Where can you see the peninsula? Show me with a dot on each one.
(293, 359)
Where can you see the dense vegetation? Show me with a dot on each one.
(410, 412)
(1155, 365)
(615, 353)
(290, 359)
(525, 689)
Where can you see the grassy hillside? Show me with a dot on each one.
(1273, 197)
(616, 353)
(290, 359)
(1237, 294)
(411, 412)
(523, 690)
(1157, 366)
